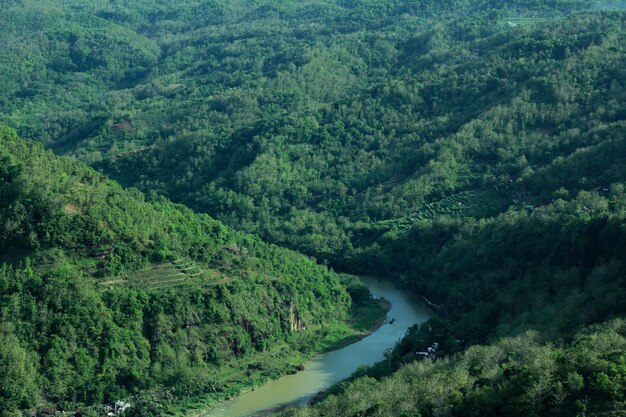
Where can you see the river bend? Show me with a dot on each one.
(326, 369)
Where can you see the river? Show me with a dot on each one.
(329, 368)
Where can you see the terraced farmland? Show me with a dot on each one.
(168, 275)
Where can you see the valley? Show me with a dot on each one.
(330, 368)
(188, 191)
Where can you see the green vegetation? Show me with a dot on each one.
(104, 294)
(364, 314)
(303, 123)
(319, 126)
(517, 376)
(552, 270)
(472, 150)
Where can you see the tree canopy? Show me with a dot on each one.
(473, 151)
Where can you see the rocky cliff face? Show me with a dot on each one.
(295, 321)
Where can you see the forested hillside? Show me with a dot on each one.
(473, 151)
(105, 293)
(316, 124)
(517, 376)
(525, 282)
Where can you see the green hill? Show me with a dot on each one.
(323, 126)
(105, 292)
(471, 150)
(517, 376)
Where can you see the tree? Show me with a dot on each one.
(18, 388)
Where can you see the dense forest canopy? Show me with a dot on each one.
(324, 125)
(105, 293)
(517, 376)
(471, 150)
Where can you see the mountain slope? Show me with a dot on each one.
(104, 293)
(517, 376)
(521, 284)
(308, 124)
(472, 151)
(324, 138)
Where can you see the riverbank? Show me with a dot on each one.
(369, 317)
(325, 370)
(254, 371)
